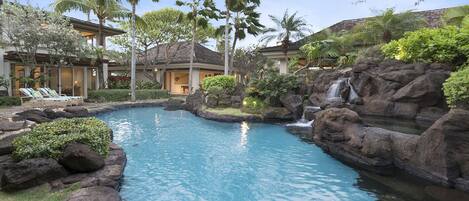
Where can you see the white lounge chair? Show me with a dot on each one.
(48, 92)
(37, 97)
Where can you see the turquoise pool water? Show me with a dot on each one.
(177, 156)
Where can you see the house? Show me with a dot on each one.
(73, 80)
(276, 53)
(173, 74)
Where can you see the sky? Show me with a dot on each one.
(319, 14)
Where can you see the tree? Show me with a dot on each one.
(134, 58)
(458, 16)
(201, 11)
(287, 28)
(103, 9)
(389, 25)
(249, 61)
(245, 21)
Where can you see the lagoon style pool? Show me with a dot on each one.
(178, 156)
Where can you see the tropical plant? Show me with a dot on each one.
(245, 20)
(253, 105)
(389, 25)
(287, 28)
(444, 45)
(225, 82)
(248, 61)
(273, 85)
(103, 9)
(320, 51)
(48, 140)
(4, 82)
(458, 16)
(456, 88)
(201, 11)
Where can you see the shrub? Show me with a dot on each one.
(253, 105)
(148, 85)
(226, 82)
(119, 82)
(456, 88)
(10, 101)
(48, 140)
(117, 95)
(274, 85)
(444, 45)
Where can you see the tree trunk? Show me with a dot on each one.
(191, 57)
(133, 62)
(227, 40)
(233, 48)
(100, 43)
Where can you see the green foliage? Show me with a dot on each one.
(444, 45)
(141, 85)
(456, 88)
(48, 140)
(4, 82)
(119, 95)
(274, 85)
(10, 101)
(39, 193)
(225, 82)
(253, 105)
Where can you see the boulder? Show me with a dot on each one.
(195, 101)
(376, 143)
(31, 172)
(211, 100)
(330, 124)
(310, 112)
(97, 193)
(294, 103)
(77, 111)
(81, 158)
(6, 125)
(430, 114)
(236, 101)
(426, 90)
(174, 104)
(34, 115)
(6, 146)
(277, 113)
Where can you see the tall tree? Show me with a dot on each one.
(103, 9)
(201, 12)
(134, 58)
(389, 25)
(288, 27)
(240, 16)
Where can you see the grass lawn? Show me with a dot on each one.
(229, 111)
(40, 193)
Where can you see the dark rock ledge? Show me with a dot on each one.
(439, 155)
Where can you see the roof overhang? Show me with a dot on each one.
(86, 26)
(280, 54)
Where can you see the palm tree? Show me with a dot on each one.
(287, 28)
(103, 9)
(134, 58)
(458, 16)
(389, 25)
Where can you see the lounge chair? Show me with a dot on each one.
(48, 92)
(37, 97)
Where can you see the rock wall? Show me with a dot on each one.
(440, 154)
(391, 88)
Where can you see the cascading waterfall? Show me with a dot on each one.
(334, 91)
(353, 96)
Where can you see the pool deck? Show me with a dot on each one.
(9, 112)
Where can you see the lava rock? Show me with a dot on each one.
(211, 100)
(425, 90)
(310, 112)
(236, 101)
(195, 101)
(294, 103)
(34, 115)
(6, 125)
(81, 158)
(77, 111)
(277, 113)
(174, 104)
(97, 193)
(6, 146)
(31, 172)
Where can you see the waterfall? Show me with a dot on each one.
(353, 96)
(333, 93)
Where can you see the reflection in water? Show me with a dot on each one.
(244, 134)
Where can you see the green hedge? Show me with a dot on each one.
(456, 88)
(10, 101)
(117, 95)
(225, 82)
(48, 140)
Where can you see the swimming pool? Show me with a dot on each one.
(178, 156)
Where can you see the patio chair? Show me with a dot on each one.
(48, 92)
(37, 97)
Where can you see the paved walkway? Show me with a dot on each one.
(8, 112)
